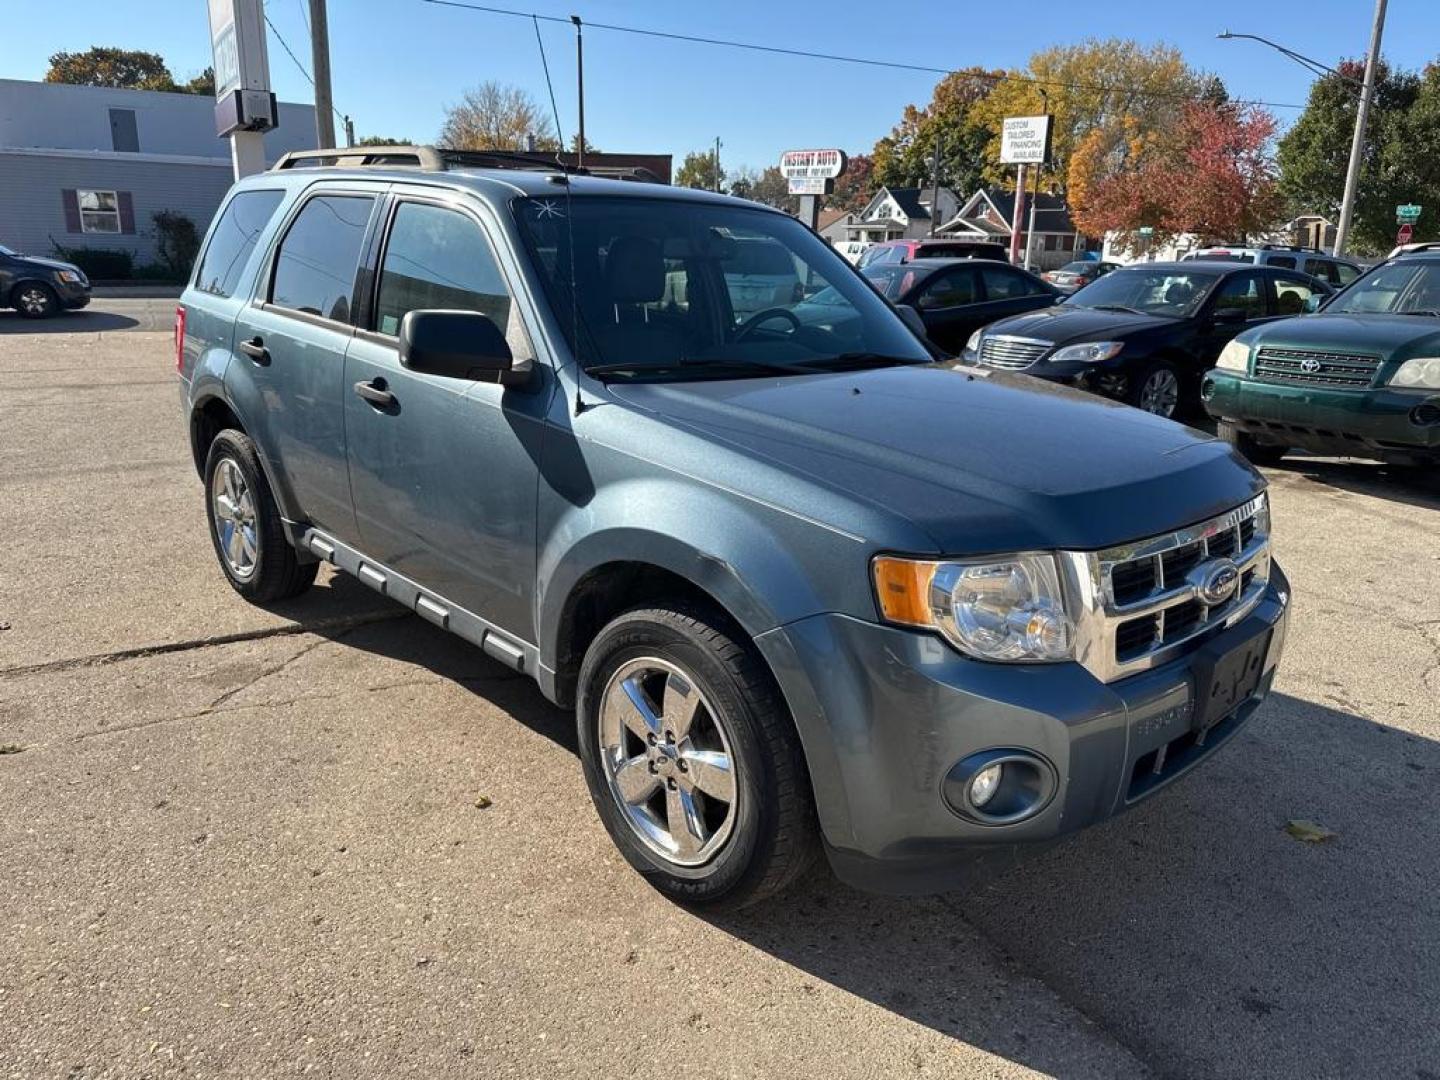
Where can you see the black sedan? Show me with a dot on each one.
(1146, 333)
(957, 296)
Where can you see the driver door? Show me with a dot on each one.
(1250, 293)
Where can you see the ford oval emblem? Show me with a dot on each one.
(1215, 581)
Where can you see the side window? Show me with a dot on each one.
(949, 290)
(1002, 283)
(240, 225)
(438, 258)
(1324, 269)
(1284, 262)
(1244, 291)
(1344, 273)
(1291, 295)
(315, 268)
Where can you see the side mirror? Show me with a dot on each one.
(911, 318)
(1312, 304)
(455, 344)
(1231, 315)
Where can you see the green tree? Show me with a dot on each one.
(905, 157)
(1398, 163)
(382, 140)
(100, 65)
(204, 83)
(698, 171)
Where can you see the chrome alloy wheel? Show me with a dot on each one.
(34, 300)
(666, 757)
(1161, 393)
(234, 505)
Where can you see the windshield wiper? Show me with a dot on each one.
(842, 362)
(1422, 311)
(1114, 307)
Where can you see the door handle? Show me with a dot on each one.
(375, 393)
(255, 350)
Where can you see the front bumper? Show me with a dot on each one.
(72, 295)
(1384, 423)
(884, 714)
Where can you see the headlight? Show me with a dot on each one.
(1090, 352)
(1006, 607)
(973, 345)
(1421, 373)
(69, 275)
(1235, 356)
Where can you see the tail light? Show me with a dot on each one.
(180, 339)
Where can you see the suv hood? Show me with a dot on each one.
(1065, 323)
(1390, 336)
(981, 460)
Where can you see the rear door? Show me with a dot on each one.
(1250, 293)
(291, 340)
(949, 303)
(444, 476)
(1009, 291)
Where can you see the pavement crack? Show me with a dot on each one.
(342, 624)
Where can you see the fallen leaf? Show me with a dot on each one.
(12, 748)
(1309, 832)
(483, 802)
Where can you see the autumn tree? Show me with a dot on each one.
(855, 186)
(127, 69)
(1399, 163)
(698, 171)
(905, 157)
(1103, 92)
(1212, 175)
(495, 116)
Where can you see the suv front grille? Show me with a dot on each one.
(1011, 353)
(1307, 367)
(1149, 602)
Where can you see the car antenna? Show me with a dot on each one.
(562, 178)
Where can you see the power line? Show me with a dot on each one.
(838, 58)
(291, 53)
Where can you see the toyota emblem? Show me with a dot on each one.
(1310, 365)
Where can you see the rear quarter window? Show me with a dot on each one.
(233, 239)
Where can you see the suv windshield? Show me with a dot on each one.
(1402, 288)
(682, 289)
(1176, 294)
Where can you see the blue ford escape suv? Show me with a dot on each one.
(806, 586)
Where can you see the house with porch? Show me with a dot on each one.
(896, 213)
(987, 215)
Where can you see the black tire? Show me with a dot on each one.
(1254, 451)
(276, 572)
(1136, 388)
(34, 300)
(774, 836)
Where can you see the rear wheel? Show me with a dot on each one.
(34, 300)
(1156, 389)
(1254, 451)
(245, 524)
(692, 760)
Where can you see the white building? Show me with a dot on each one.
(84, 166)
(901, 214)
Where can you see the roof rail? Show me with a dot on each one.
(441, 158)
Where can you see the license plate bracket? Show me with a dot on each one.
(1225, 676)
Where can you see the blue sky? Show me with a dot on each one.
(397, 63)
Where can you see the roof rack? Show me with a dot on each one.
(442, 158)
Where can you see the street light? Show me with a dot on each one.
(1362, 115)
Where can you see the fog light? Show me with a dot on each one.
(985, 784)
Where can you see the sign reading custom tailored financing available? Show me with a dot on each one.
(805, 169)
(1025, 140)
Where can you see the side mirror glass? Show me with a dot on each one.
(1231, 315)
(456, 345)
(911, 318)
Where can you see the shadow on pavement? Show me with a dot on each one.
(1194, 930)
(1414, 487)
(71, 322)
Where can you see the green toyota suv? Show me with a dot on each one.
(1360, 378)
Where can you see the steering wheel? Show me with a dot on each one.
(761, 317)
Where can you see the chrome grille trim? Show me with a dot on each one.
(1099, 617)
(1343, 371)
(1011, 352)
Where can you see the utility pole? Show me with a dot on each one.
(717, 164)
(1017, 214)
(1362, 115)
(320, 64)
(349, 132)
(580, 80)
(935, 186)
(1035, 189)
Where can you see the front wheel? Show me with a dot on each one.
(1156, 389)
(692, 760)
(1254, 451)
(35, 301)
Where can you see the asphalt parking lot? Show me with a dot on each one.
(247, 843)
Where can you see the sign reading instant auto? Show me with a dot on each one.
(812, 164)
(1025, 140)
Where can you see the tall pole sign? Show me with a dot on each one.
(811, 175)
(244, 106)
(1024, 140)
